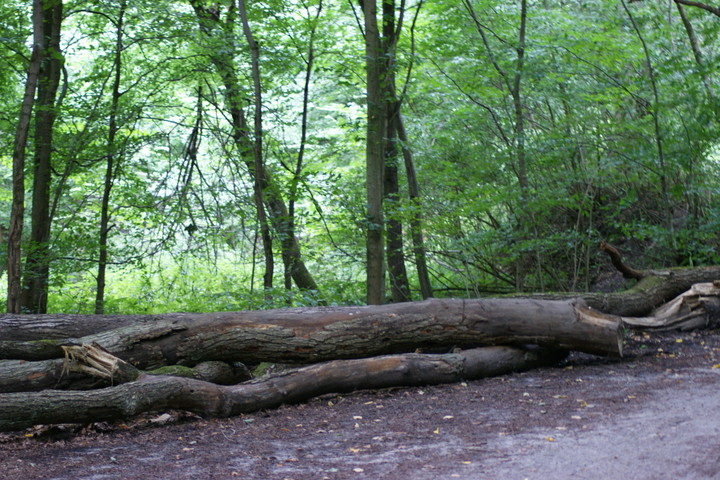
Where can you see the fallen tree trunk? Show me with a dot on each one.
(309, 335)
(654, 289)
(699, 307)
(149, 392)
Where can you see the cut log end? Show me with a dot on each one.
(606, 332)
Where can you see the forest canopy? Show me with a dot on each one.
(210, 156)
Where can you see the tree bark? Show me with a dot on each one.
(699, 307)
(23, 376)
(399, 284)
(18, 190)
(37, 263)
(22, 410)
(374, 158)
(308, 335)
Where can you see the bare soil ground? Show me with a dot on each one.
(654, 414)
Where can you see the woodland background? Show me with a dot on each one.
(212, 156)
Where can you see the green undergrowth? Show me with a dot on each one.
(194, 286)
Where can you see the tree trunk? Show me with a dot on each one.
(110, 164)
(37, 263)
(18, 190)
(258, 163)
(22, 376)
(399, 285)
(699, 307)
(416, 227)
(655, 288)
(374, 158)
(308, 335)
(22, 410)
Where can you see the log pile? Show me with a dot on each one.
(64, 368)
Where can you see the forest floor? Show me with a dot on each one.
(653, 414)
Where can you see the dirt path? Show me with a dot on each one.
(653, 415)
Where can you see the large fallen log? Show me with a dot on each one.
(655, 288)
(141, 392)
(308, 335)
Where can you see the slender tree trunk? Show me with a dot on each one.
(292, 268)
(260, 182)
(416, 228)
(399, 285)
(525, 217)
(374, 162)
(695, 45)
(18, 192)
(37, 265)
(110, 166)
(517, 104)
(664, 188)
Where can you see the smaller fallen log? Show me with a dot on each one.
(151, 392)
(699, 307)
(24, 376)
(655, 288)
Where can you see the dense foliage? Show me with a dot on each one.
(537, 130)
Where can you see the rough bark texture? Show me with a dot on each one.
(22, 410)
(308, 335)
